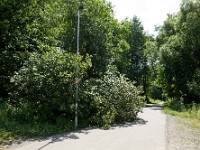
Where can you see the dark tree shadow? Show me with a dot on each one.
(73, 134)
(139, 121)
(154, 106)
(53, 139)
(61, 137)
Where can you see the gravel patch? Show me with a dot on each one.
(181, 134)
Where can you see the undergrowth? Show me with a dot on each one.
(153, 101)
(13, 129)
(178, 108)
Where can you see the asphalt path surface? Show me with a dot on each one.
(147, 133)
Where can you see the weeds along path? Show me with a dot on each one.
(148, 132)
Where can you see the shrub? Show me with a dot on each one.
(112, 99)
(44, 86)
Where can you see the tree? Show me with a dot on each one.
(178, 42)
(136, 41)
(150, 72)
(25, 26)
(121, 47)
(96, 32)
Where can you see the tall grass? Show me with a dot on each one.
(178, 108)
(12, 128)
(153, 101)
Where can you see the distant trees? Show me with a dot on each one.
(133, 61)
(136, 40)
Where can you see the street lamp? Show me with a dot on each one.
(77, 68)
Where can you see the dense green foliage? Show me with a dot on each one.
(120, 66)
(24, 27)
(178, 43)
(38, 65)
(113, 99)
(44, 85)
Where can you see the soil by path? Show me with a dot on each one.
(147, 133)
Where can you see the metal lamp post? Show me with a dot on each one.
(77, 68)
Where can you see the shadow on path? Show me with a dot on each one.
(61, 137)
(51, 139)
(75, 134)
(72, 135)
(154, 106)
(139, 121)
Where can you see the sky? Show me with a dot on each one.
(150, 12)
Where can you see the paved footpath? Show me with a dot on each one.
(148, 133)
